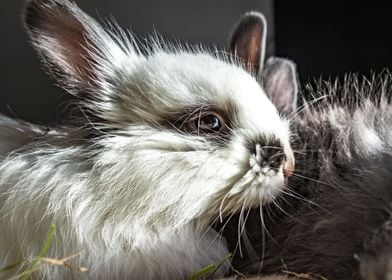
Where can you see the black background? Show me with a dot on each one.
(334, 37)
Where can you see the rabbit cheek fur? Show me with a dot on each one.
(137, 196)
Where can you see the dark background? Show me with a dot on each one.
(327, 38)
(330, 38)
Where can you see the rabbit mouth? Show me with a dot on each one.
(252, 189)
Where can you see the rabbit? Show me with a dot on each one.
(166, 140)
(334, 221)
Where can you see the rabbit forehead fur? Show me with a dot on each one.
(167, 83)
(138, 198)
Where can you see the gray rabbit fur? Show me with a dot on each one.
(335, 218)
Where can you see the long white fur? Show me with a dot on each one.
(137, 201)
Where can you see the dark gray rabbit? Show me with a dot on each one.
(334, 220)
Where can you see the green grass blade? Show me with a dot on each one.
(225, 259)
(44, 251)
(10, 267)
(202, 272)
(209, 270)
(48, 242)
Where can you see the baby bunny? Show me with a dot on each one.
(334, 220)
(168, 141)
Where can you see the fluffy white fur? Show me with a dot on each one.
(137, 198)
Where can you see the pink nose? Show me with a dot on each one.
(289, 165)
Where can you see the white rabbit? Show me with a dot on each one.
(167, 142)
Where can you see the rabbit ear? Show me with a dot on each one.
(248, 41)
(76, 49)
(280, 84)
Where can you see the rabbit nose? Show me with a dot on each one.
(289, 164)
(270, 157)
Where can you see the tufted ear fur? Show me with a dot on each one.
(280, 84)
(75, 48)
(277, 75)
(248, 41)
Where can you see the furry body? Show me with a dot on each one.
(135, 188)
(338, 225)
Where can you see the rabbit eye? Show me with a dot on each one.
(205, 123)
(209, 123)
